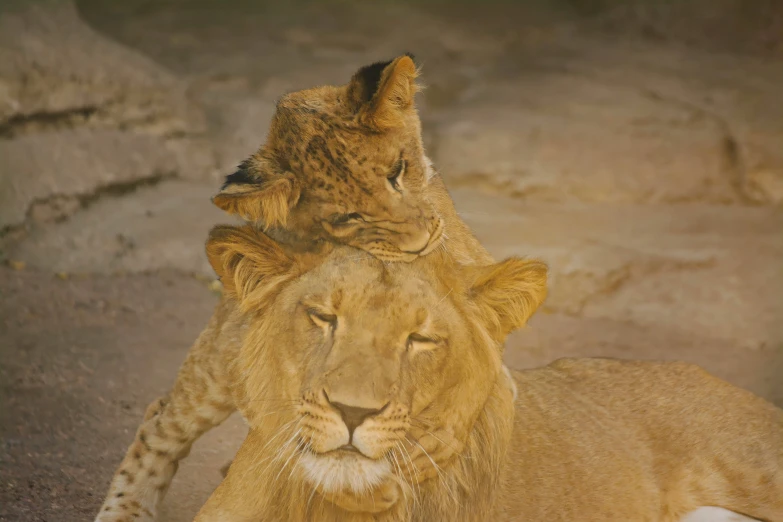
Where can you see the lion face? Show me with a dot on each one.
(366, 356)
(344, 164)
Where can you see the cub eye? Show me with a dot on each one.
(347, 218)
(421, 341)
(395, 179)
(325, 321)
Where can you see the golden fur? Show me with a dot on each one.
(376, 307)
(346, 164)
(329, 153)
(591, 440)
(417, 350)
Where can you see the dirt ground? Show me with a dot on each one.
(639, 155)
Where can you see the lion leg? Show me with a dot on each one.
(200, 400)
(234, 497)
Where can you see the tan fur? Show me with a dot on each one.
(328, 155)
(591, 439)
(329, 152)
(208, 387)
(416, 443)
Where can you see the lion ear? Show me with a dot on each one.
(250, 265)
(383, 91)
(508, 293)
(259, 193)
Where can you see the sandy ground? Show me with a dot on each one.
(648, 172)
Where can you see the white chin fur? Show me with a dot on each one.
(346, 473)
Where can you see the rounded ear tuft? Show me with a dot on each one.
(508, 293)
(251, 266)
(259, 194)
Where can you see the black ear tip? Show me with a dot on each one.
(410, 55)
(240, 177)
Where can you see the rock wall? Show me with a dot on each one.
(81, 115)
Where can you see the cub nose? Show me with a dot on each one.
(415, 245)
(353, 416)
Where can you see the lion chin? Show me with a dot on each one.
(343, 471)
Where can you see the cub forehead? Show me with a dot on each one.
(324, 99)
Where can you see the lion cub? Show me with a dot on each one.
(346, 164)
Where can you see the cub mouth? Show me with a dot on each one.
(436, 239)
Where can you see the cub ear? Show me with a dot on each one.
(383, 91)
(250, 265)
(259, 193)
(508, 293)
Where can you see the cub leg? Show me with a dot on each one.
(199, 401)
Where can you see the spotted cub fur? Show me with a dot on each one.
(346, 164)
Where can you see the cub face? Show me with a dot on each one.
(344, 164)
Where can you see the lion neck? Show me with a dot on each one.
(464, 491)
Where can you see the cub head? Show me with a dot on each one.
(349, 361)
(344, 164)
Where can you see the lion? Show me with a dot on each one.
(346, 164)
(353, 360)
(349, 368)
(211, 382)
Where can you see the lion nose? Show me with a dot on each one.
(353, 416)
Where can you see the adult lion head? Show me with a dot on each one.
(346, 164)
(360, 379)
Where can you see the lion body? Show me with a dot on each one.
(584, 439)
(580, 439)
(602, 439)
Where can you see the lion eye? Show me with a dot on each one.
(418, 340)
(395, 179)
(347, 218)
(324, 320)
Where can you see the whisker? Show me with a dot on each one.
(280, 431)
(414, 484)
(302, 449)
(444, 297)
(399, 470)
(424, 427)
(293, 452)
(309, 500)
(438, 471)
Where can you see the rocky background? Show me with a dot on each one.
(637, 146)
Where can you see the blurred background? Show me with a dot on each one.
(636, 146)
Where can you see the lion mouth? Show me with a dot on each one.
(349, 449)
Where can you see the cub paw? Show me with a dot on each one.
(124, 511)
(123, 516)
